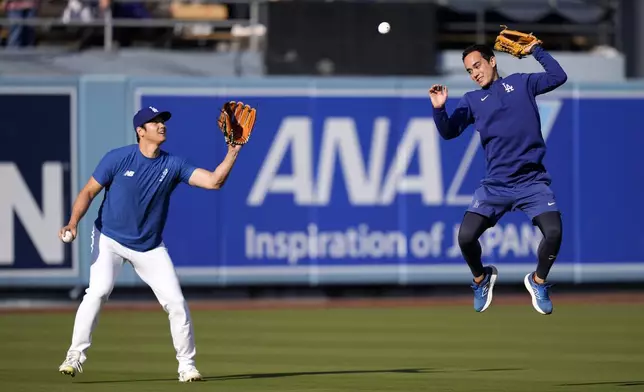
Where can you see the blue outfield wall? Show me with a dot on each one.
(343, 181)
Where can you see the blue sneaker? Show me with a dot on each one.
(483, 290)
(539, 293)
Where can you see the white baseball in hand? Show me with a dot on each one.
(67, 236)
(384, 28)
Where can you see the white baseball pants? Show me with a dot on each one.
(155, 268)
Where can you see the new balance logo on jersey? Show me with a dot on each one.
(507, 87)
(129, 173)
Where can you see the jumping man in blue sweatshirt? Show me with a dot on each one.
(505, 114)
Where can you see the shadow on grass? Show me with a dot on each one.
(611, 383)
(251, 376)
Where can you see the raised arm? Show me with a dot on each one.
(215, 179)
(448, 126)
(553, 77)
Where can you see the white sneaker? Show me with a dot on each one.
(72, 364)
(189, 375)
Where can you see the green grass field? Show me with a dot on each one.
(444, 348)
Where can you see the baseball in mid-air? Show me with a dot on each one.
(384, 27)
(67, 237)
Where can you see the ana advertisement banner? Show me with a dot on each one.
(358, 186)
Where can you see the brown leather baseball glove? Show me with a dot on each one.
(237, 121)
(514, 42)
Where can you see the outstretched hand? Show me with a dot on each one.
(438, 95)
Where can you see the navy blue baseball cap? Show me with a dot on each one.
(146, 114)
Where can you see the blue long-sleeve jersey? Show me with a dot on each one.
(507, 118)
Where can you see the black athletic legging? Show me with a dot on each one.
(474, 225)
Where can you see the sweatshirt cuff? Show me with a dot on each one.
(440, 110)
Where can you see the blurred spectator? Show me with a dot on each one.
(21, 35)
(79, 10)
(126, 9)
(87, 10)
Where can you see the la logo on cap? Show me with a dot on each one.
(154, 109)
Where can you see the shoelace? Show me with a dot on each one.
(543, 293)
(484, 283)
(481, 289)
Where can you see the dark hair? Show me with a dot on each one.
(486, 51)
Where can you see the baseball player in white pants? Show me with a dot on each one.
(138, 180)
